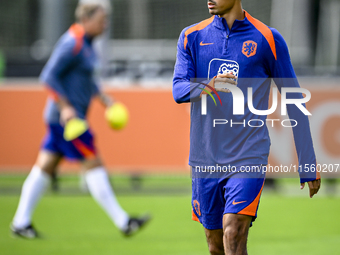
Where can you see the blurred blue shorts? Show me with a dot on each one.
(78, 149)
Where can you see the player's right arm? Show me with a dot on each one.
(183, 90)
(60, 62)
(67, 111)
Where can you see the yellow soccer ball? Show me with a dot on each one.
(75, 128)
(117, 116)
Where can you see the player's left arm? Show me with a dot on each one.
(100, 95)
(284, 76)
(105, 99)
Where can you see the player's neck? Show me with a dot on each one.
(87, 31)
(236, 13)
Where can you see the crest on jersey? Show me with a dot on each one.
(222, 66)
(197, 207)
(249, 48)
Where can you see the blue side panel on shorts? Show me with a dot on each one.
(208, 202)
(240, 193)
(214, 197)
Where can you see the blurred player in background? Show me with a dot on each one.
(69, 77)
(227, 48)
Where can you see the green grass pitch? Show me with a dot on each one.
(72, 223)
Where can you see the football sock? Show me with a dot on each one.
(101, 190)
(33, 188)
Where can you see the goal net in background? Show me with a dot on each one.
(165, 19)
(143, 34)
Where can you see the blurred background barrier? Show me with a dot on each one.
(150, 157)
(136, 59)
(157, 135)
(140, 44)
(156, 139)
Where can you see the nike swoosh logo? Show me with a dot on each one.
(204, 44)
(236, 203)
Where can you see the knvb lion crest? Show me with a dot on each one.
(249, 48)
(197, 207)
